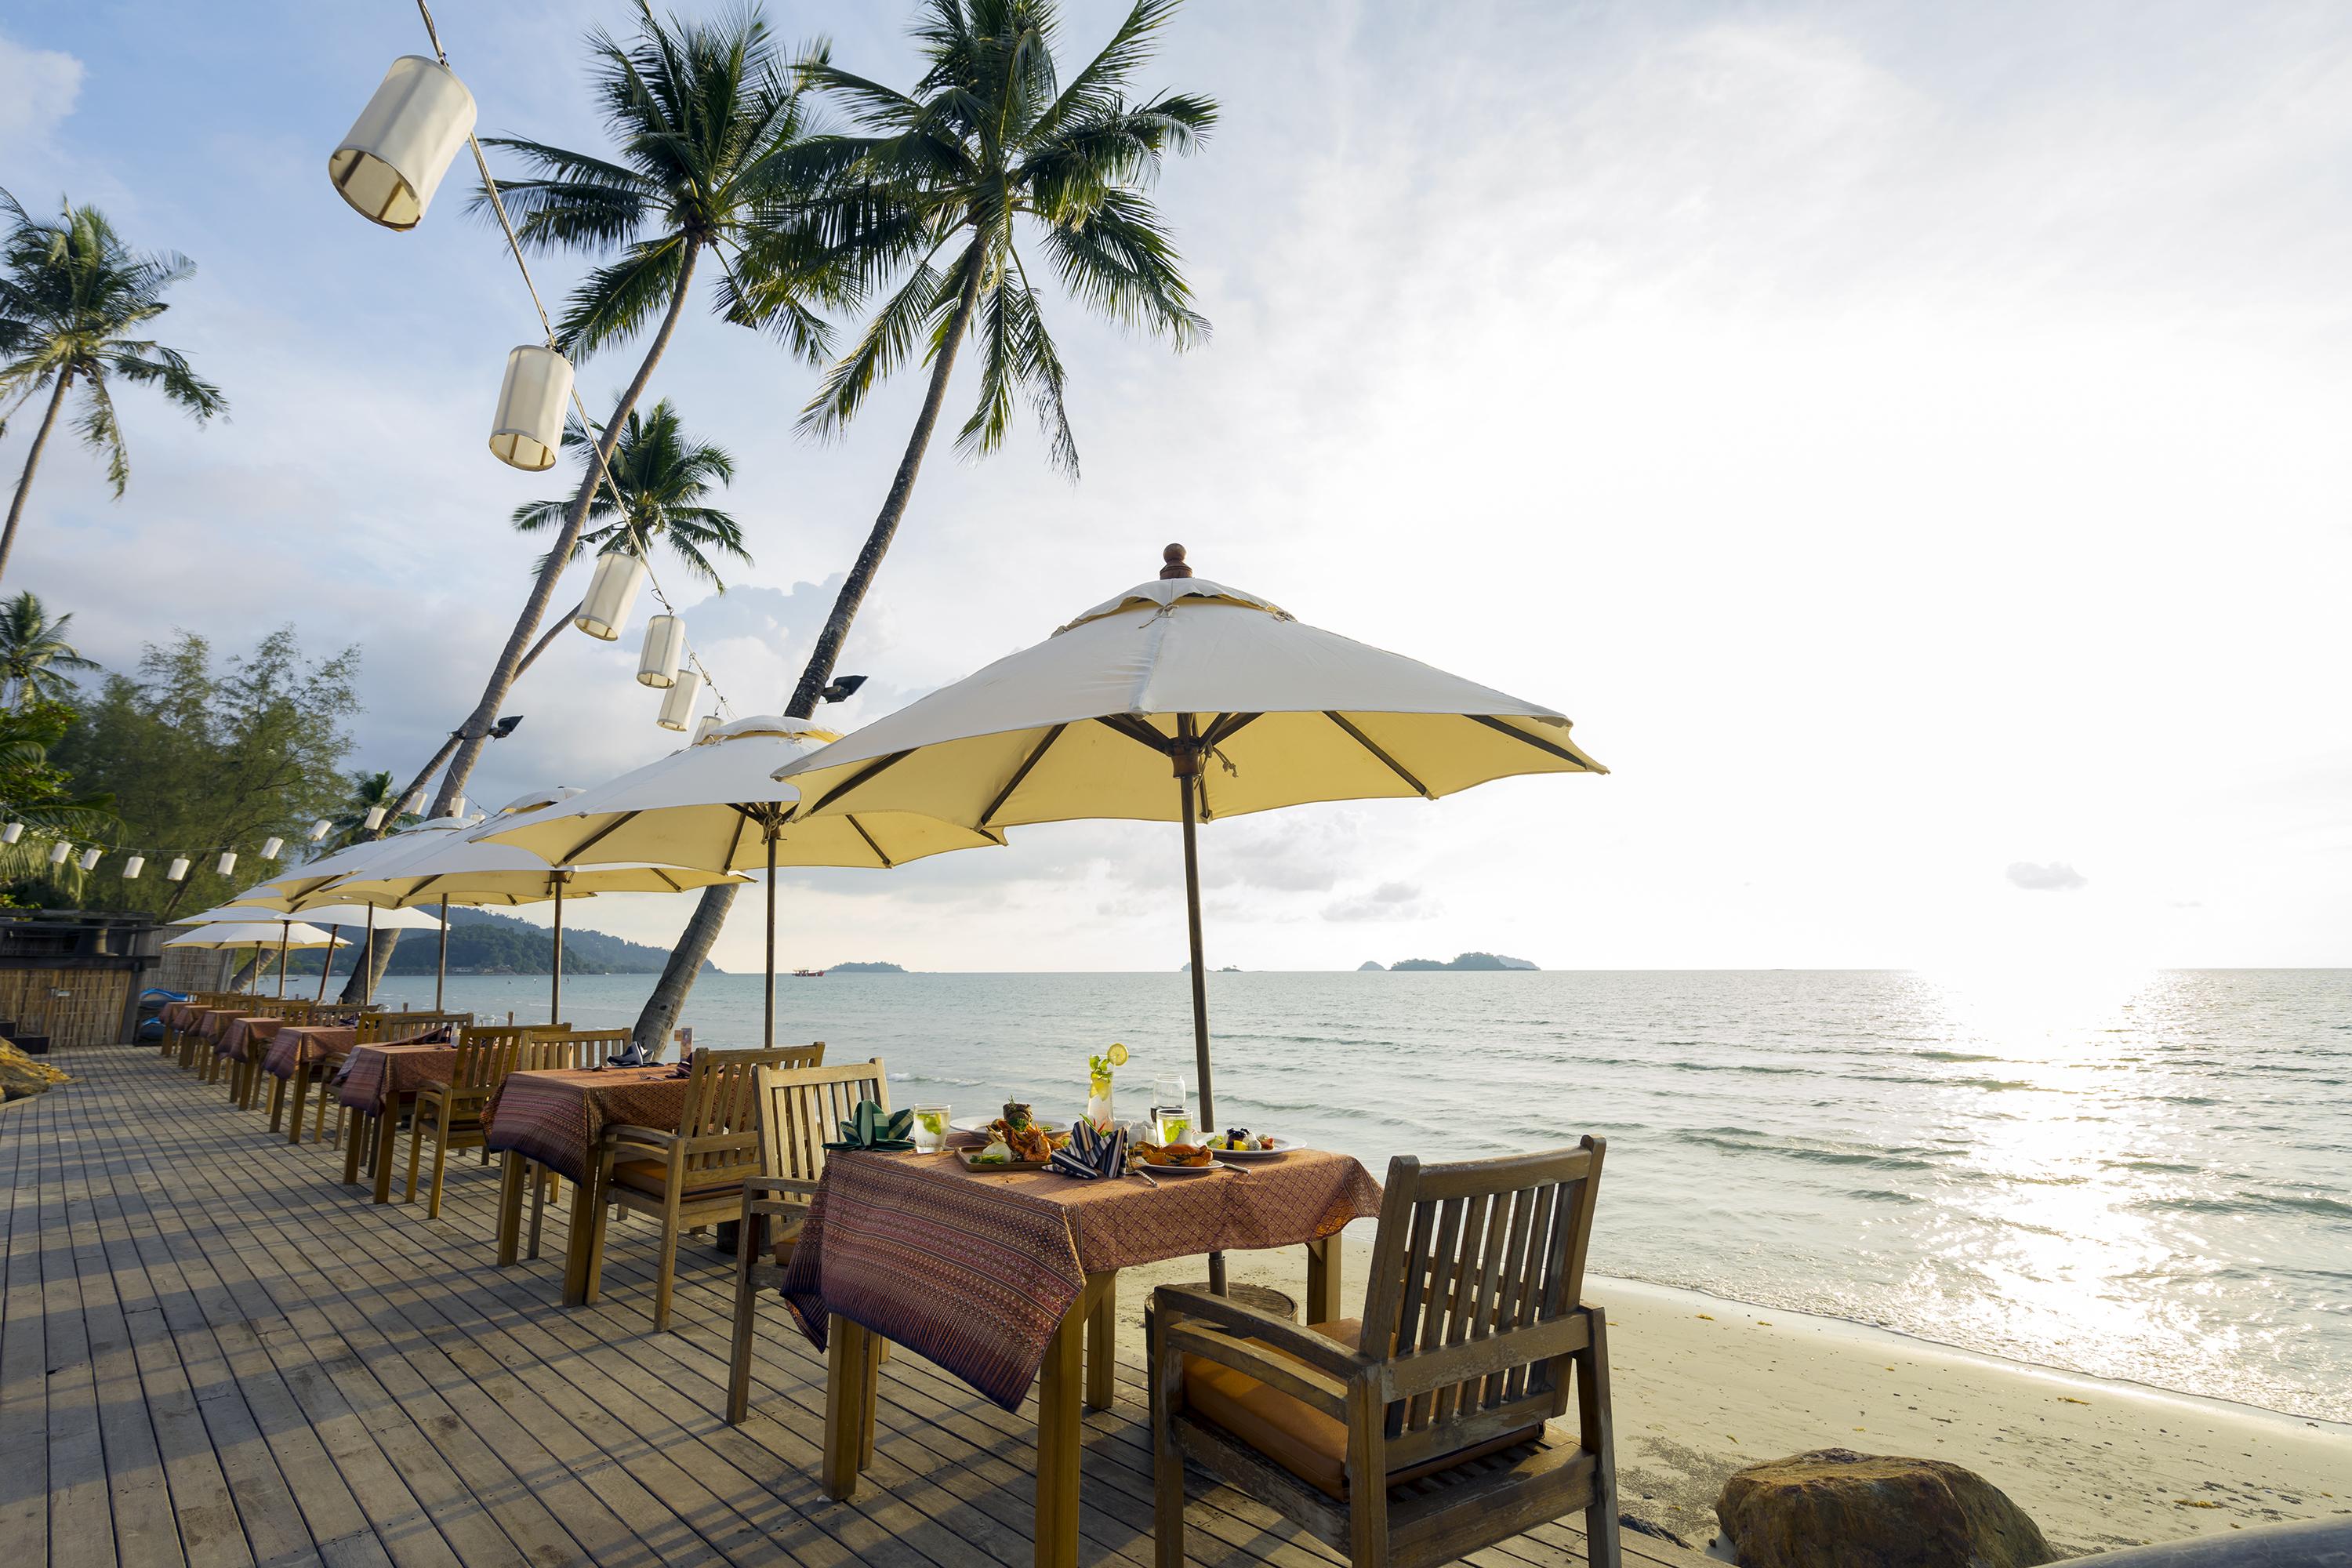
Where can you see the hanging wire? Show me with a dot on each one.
(547, 331)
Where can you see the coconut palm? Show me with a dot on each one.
(703, 117)
(662, 476)
(349, 826)
(33, 653)
(932, 206)
(72, 298)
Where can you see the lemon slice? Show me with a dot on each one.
(1117, 1055)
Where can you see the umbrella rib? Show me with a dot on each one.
(1227, 726)
(856, 779)
(597, 838)
(1020, 774)
(742, 818)
(887, 863)
(1565, 756)
(1365, 741)
(1136, 729)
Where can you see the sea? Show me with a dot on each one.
(2140, 1175)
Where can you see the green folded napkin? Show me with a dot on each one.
(872, 1129)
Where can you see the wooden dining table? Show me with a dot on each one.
(296, 1054)
(1010, 1279)
(376, 1080)
(556, 1121)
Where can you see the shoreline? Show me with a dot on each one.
(1704, 1386)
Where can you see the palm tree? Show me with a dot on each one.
(933, 203)
(33, 653)
(71, 296)
(662, 476)
(705, 118)
(349, 826)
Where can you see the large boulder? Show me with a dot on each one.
(1833, 1508)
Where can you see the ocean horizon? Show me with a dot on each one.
(2141, 1176)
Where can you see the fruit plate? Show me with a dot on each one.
(990, 1167)
(1250, 1156)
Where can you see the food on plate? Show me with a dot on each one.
(1175, 1154)
(1243, 1138)
(1030, 1142)
(996, 1153)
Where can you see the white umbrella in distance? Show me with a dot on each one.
(1183, 699)
(334, 917)
(716, 804)
(298, 886)
(258, 935)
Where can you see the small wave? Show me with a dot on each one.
(1881, 1196)
(1814, 1153)
(2160, 1167)
(2252, 1203)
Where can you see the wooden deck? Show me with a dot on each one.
(211, 1352)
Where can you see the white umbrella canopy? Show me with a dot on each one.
(716, 804)
(345, 914)
(1183, 699)
(256, 933)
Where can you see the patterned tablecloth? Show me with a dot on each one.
(237, 1041)
(559, 1118)
(175, 1014)
(212, 1021)
(297, 1044)
(376, 1076)
(976, 1271)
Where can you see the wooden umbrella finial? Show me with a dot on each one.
(1175, 556)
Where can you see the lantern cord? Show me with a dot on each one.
(547, 331)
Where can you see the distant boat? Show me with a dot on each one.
(808, 973)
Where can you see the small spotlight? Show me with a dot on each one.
(506, 726)
(842, 689)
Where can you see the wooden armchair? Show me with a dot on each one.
(1423, 1433)
(693, 1176)
(451, 1114)
(561, 1047)
(800, 1108)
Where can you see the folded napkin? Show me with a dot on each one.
(1091, 1155)
(871, 1128)
(632, 1055)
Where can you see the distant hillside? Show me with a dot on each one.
(874, 968)
(1370, 966)
(481, 943)
(1488, 960)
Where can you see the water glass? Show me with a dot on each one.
(1168, 1112)
(931, 1129)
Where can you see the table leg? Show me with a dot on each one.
(850, 1387)
(1323, 1290)
(1058, 1428)
(301, 1093)
(352, 1139)
(579, 1246)
(387, 1139)
(276, 1104)
(511, 1180)
(1102, 1346)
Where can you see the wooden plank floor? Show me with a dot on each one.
(212, 1352)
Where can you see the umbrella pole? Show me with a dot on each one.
(367, 957)
(285, 930)
(1207, 1121)
(441, 964)
(327, 962)
(555, 992)
(768, 1029)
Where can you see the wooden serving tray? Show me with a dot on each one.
(991, 1167)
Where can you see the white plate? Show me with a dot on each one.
(1245, 1156)
(980, 1123)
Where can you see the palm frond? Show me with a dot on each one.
(612, 303)
(880, 349)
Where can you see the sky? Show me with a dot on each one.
(1908, 441)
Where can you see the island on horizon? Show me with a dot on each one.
(866, 967)
(1461, 960)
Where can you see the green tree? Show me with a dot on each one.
(73, 298)
(201, 759)
(664, 477)
(930, 208)
(41, 798)
(33, 653)
(348, 825)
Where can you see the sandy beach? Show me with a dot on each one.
(1704, 1387)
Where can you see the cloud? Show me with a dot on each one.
(37, 88)
(2057, 877)
(1389, 901)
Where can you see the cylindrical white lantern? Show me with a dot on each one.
(132, 867)
(375, 817)
(391, 162)
(677, 702)
(13, 832)
(611, 594)
(228, 863)
(178, 869)
(90, 859)
(58, 851)
(272, 848)
(528, 429)
(665, 650)
(319, 830)
(702, 726)
(458, 806)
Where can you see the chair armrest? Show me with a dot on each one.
(790, 1184)
(623, 1132)
(1176, 1302)
(1314, 1389)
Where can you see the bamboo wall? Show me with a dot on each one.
(89, 1013)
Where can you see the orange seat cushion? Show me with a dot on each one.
(653, 1177)
(1306, 1442)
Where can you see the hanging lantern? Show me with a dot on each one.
(703, 726)
(271, 847)
(226, 865)
(319, 830)
(665, 650)
(13, 832)
(528, 429)
(177, 870)
(391, 162)
(90, 859)
(458, 806)
(375, 817)
(677, 702)
(58, 851)
(132, 867)
(612, 593)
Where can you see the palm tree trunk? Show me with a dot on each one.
(31, 461)
(687, 958)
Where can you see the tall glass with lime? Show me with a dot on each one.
(1098, 1086)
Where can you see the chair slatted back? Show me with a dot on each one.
(484, 1056)
(1477, 1278)
(801, 1107)
(560, 1047)
(375, 1028)
(722, 1103)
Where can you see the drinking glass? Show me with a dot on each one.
(931, 1129)
(1168, 1112)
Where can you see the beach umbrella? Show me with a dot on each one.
(716, 804)
(461, 868)
(318, 912)
(1188, 700)
(259, 935)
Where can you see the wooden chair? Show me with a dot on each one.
(1423, 1433)
(452, 1112)
(693, 1176)
(800, 1108)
